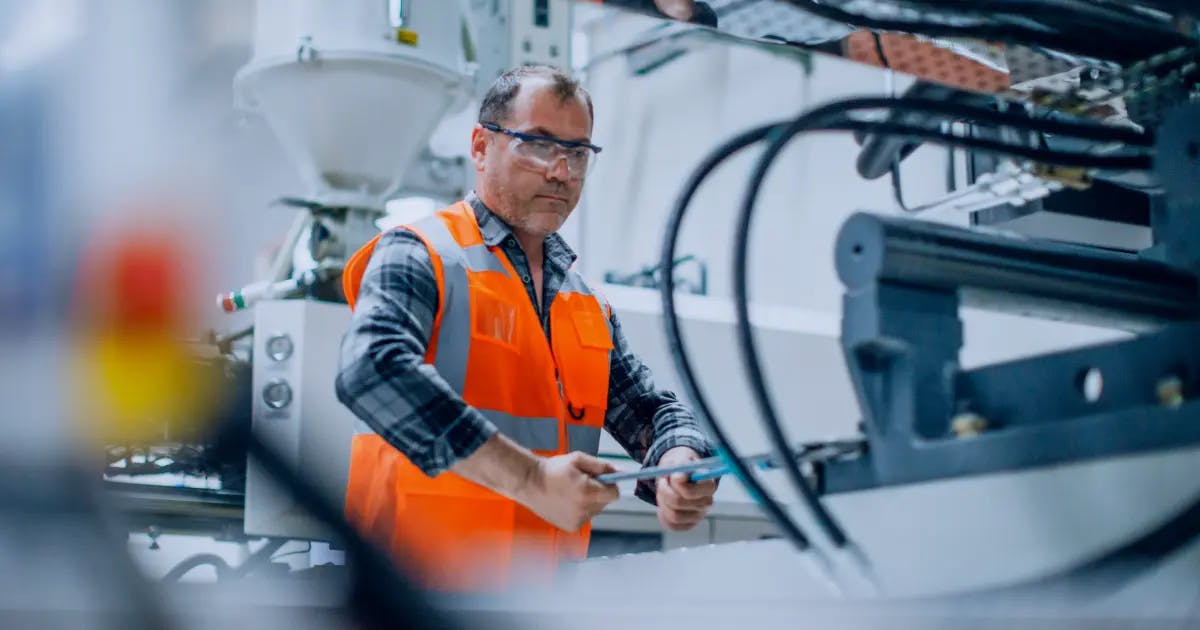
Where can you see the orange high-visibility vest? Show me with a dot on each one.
(549, 396)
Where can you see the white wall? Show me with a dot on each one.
(658, 127)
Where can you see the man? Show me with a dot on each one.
(484, 367)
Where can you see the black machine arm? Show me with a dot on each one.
(1012, 274)
(925, 418)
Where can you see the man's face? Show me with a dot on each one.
(531, 200)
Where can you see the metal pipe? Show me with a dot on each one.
(1013, 274)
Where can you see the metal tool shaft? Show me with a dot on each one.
(714, 467)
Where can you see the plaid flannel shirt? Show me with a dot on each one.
(384, 380)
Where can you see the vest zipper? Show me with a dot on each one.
(562, 403)
(562, 396)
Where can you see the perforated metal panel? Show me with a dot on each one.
(762, 18)
(926, 60)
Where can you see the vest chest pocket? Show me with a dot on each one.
(493, 319)
(583, 354)
(591, 330)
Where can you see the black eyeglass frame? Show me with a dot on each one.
(525, 137)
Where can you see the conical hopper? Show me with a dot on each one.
(352, 122)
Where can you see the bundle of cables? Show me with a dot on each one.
(848, 115)
(1092, 28)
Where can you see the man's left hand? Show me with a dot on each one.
(681, 503)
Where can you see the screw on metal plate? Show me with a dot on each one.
(1170, 391)
(966, 425)
(305, 53)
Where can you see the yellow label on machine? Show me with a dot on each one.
(406, 36)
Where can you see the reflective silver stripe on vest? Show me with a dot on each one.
(583, 438)
(453, 348)
(574, 283)
(539, 434)
(480, 258)
(454, 335)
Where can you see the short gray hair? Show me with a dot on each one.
(496, 103)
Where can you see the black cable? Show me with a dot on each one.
(972, 169)
(225, 344)
(260, 558)
(1084, 130)
(1008, 33)
(1122, 9)
(307, 549)
(897, 187)
(951, 172)
(879, 51)
(1016, 119)
(224, 571)
(1131, 36)
(199, 560)
(749, 354)
(1181, 6)
(1089, 12)
(1138, 161)
(827, 118)
(676, 343)
(1077, 128)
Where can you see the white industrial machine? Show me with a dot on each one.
(354, 91)
(296, 412)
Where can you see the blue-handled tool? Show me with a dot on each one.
(714, 467)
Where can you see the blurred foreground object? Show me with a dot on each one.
(134, 369)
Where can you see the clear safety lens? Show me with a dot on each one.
(543, 154)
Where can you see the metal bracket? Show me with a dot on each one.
(305, 53)
(925, 418)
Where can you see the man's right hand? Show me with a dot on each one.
(563, 491)
(560, 489)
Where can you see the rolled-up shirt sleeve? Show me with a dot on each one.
(382, 376)
(644, 420)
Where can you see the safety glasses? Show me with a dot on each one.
(541, 153)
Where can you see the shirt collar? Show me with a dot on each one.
(495, 230)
